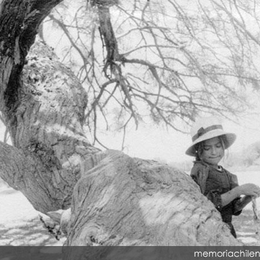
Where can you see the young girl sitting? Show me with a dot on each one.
(209, 142)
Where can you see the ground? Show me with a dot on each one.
(246, 228)
(20, 224)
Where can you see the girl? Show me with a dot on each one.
(209, 142)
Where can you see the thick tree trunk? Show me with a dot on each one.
(46, 125)
(133, 202)
(116, 200)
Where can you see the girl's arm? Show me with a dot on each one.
(248, 190)
(230, 196)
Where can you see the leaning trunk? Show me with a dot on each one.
(46, 126)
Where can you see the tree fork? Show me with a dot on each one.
(43, 105)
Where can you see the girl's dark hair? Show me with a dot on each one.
(199, 146)
(198, 150)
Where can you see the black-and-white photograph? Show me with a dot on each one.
(129, 129)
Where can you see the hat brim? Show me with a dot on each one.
(230, 139)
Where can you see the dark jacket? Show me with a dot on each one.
(213, 182)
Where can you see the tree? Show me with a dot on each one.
(114, 199)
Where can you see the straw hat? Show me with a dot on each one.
(207, 128)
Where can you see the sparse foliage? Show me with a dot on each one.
(168, 60)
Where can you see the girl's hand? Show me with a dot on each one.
(249, 189)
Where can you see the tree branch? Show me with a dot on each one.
(24, 171)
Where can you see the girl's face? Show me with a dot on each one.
(212, 151)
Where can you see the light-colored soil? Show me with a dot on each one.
(246, 228)
(20, 223)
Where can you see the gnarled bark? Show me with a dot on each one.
(47, 126)
(127, 201)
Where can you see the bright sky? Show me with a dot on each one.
(152, 142)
